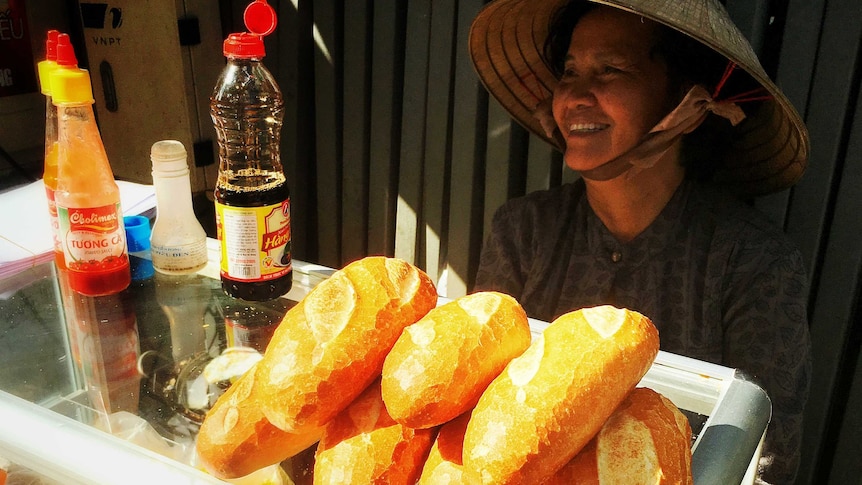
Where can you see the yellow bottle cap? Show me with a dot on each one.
(45, 68)
(50, 63)
(71, 86)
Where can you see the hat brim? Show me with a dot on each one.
(769, 150)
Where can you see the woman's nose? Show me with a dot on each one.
(577, 93)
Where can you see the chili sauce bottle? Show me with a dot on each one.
(49, 174)
(88, 200)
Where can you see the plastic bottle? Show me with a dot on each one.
(88, 198)
(49, 174)
(178, 241)
(252, 198)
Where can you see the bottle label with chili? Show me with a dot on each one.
(93, 237)
(255, 241)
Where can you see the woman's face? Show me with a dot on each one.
(613, 89)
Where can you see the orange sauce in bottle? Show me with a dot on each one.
(88, 209)
(49, 175)
(49, 179)
(87, 196)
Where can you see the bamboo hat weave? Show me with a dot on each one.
(769, 149)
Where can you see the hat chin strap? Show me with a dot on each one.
(685, 118)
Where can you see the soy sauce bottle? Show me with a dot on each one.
(252, 197)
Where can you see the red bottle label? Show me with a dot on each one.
(93, 237)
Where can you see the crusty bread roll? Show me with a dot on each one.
(325, 352)
(440, 365)
(551, 400)
(444, 465)
(236, 439)
(331, 346)
(646, 441)
(364, 445)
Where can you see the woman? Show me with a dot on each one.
(662, 130)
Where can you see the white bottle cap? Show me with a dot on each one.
(169, 156)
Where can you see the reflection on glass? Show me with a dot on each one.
(103, 333)
(147, 363)
(250, 326)
(184, 301)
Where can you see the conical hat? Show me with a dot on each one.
(769, 149)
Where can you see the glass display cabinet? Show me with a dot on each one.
(108, 390)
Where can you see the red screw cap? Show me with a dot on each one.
(260, 18)
(51, 45)
(65, 52)
(244, 46)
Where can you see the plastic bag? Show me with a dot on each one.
(135, 429)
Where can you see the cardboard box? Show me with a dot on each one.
(147, 86)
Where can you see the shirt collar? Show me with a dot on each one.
(665, 229)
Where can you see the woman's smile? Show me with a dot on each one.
(587, 128)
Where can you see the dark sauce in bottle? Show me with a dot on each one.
(247, 189)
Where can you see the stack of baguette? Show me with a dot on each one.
(395, 389)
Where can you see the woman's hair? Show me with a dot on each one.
(560, 33)
(688, 62)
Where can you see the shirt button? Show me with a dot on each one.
(616, 256)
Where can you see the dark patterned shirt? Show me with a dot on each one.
(720, 282)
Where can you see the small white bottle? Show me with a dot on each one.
(178, 241)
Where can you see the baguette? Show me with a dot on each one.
(551, 400)
(236, 439)
(647, 440)
(324, 353)
(440, 365)
(445, 465)
(327, 351)
(363, 445)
